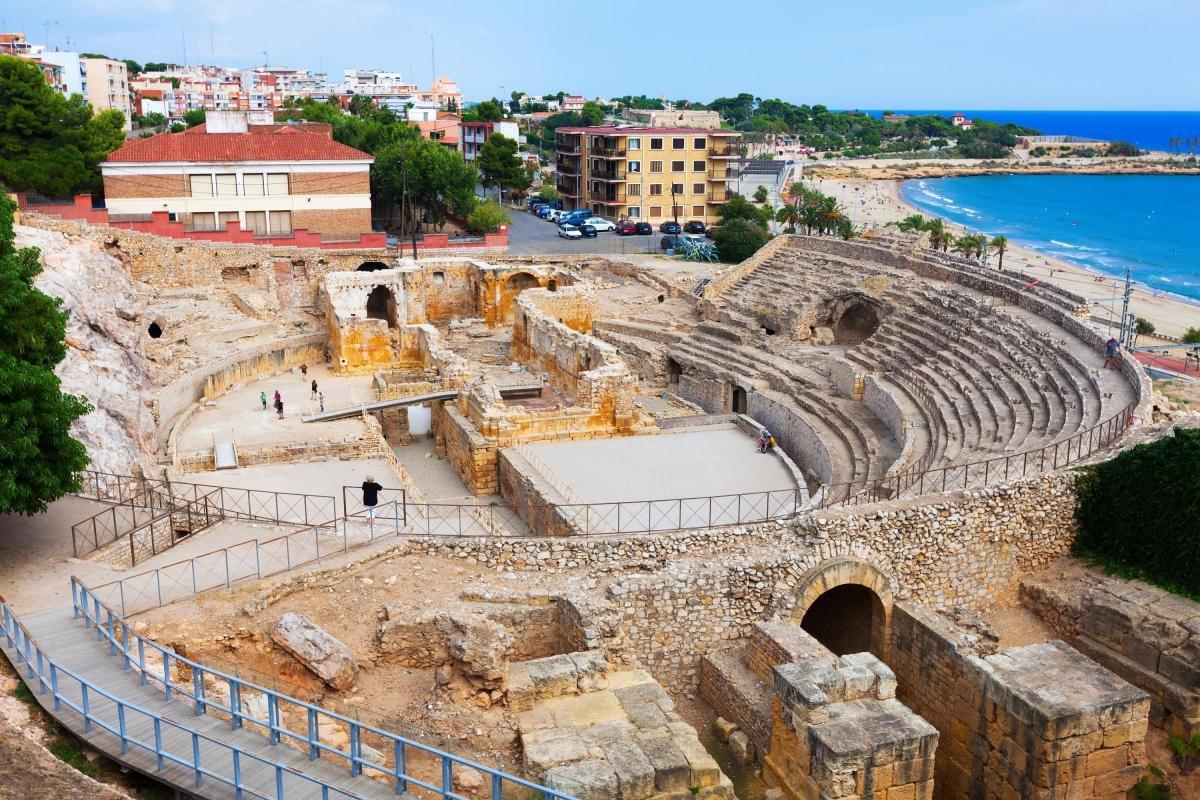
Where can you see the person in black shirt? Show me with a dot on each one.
(371, 490)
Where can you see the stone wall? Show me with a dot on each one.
(888, 411)
(795, 436)
(1035, 721)
(549, 334)
(320, 450)
(1148, 636)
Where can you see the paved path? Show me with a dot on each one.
(66, 643)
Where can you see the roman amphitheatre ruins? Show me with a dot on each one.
(581, 570)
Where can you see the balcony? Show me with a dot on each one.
(568, 187)
(567, 168)
(566, 149)
(722, 173)
(607, 198)
(609, 175)
(722, 150)
(607, 152)
(719, 195)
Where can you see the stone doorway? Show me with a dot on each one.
(738, 401)
(847, 619)
(381, 304)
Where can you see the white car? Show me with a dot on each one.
(600, 224)
(569, 232)
(556, 215)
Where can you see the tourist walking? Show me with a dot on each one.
(370, 491)
(263, 397)
(279, 407)
(321, 400)
(1111, 348)
(304, 371)
(278, 397)
(314, 389)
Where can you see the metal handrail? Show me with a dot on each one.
(132, 647)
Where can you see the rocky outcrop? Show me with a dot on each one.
(478, 646)
(329, 659)
(105, 360)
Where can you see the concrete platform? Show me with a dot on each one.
(715, 460)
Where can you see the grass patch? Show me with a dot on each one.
(1120, 569)
(25, 694)
(69, 751)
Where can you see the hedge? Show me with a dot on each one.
(1140, 512)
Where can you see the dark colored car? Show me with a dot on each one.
(643, 229)
(670, 227)
(695, 226)
(626, 227)
(670, 241)
(588, 231)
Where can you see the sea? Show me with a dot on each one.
(1149, 223)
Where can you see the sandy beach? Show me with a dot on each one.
(874, 203)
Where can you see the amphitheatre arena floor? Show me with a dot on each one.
(693, 463)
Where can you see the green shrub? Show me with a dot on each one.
(1140, 512)
(487, 217)
(69, 751)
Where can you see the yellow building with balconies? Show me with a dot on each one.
(650, 174)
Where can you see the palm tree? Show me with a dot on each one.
(788, 215)
(831, 215)
(913, 222)
(939, 237)
(965, 246)
(811, 217)
(1000, 244)
(846, 229)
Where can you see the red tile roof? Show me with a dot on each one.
(612, 130)
(193, 145)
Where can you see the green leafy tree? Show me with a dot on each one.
(194, 117)
(156, 66)
(498, 163)
(738, 239)
(1121, 148)
(487, 217)
(761, 194)
(361, 105)
(178, 127)
(1000, 245)
(940, 237)
(738, 207)
(913, 222)
(1191, 336)
(591, 114)
(548, 193)
(152, 120)
(1142, 327)
(132, 67)
(487, 111)
(50, 144)
(422, 180)
(39, 461)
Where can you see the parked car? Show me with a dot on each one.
(644, 229)
(694, 226)
(600, 224)
(556, 215)
(626, 227)
(576, 217)
(670, 241)
(544, 212)
(670, 226)
(568, 231)
(587, 231)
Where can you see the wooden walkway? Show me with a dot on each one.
(70, 646)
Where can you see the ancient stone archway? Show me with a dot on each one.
(674, 371)
(737, 401)
(513, 286)
(371, 266)
(856, 320)
(381, 304)
(846, 604)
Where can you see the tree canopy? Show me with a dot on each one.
(39, 461)
(487, 217)
(50, 144)
(487, 111)
(738, 239)
(499, 164)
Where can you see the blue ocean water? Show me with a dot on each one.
(1149, 130)
(1104, 222)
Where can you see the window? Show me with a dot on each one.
(677, 188)
(655, 189)
(698, 166)
(678, 144)
(281, 222)
(656, 166)
(226, 217)
(277, 183)
(655, 211)
(439, 278)
(597, 165)
(697, 188)
(676, 211)
(697, 211)
(252, 184)
(656, 144)
(677, 166)
(635, 166)
(256, 221)
(633, 189)
(201, 185)
(634, 212)
(634, 143)
(698, 143)
(226, 185)
(206, 221)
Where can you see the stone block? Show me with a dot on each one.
(1103, 761)
(739, 745)
(547, 749)
(723, 728)
(1119, 781)
(535, 719)
(593, 779)
(521, 692)
(703, 768)
(554, 676)
(645, 715)
(672, 771)
(635, 773)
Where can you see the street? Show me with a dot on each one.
(530, 235)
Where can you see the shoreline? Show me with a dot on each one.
(903, 169)
(874, 202)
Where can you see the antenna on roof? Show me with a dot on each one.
(432, 61)
(183, 38)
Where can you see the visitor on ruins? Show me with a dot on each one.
(1111, 348)
(263, 397)
(314, 389)
(321, 400)
(279, 406)
(764, 440)
(304, 370)
(278, 397)
(371, 490)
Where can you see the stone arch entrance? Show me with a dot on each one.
(737, 401)
(513, 286)
(846, 605)
(859, 318)
(381, 304)
(371, 266)
(674, 371)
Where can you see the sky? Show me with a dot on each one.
(870, 54)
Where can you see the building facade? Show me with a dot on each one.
(107, 86)
(240, 170)
(475, 134)
(651, 174)
(674, 118)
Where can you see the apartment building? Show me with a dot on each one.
(106, 83)
(651, 174)
(240, 169)
(475, 134)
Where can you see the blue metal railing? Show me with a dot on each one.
(134, 649)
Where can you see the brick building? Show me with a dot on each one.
(240, 170)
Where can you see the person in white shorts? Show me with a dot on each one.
(371, 490)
